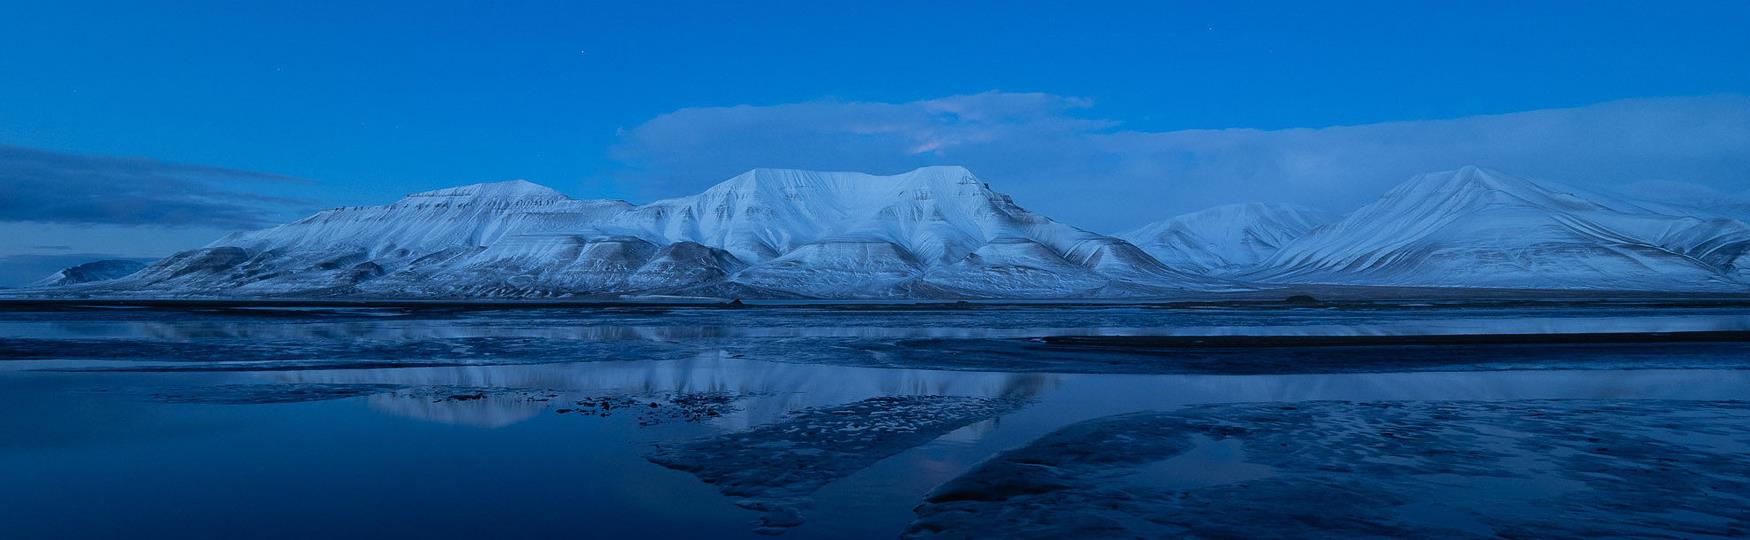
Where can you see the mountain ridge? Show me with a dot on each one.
(1476, 227)
(1226, 239)
(943, 233)
(792, 232)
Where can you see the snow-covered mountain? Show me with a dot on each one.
(940, 232)
(94, 271)
(1689, 199)
(1226, 240)
(936, 232)
(1475, 227)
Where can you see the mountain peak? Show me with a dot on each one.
(1225, 238)
(1486, 176)
(1229, 216)
(1255, 209)
(1475, 227)
(933, 170)
(506, 190)
(951, 173)
(1471, 175)
(954, 172)
(1477, 185)
(940, 232)
(786, 187)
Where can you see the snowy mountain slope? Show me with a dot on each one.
(1228, 239)
(683, 265)
(940, 232)
(1689, 199)
(1480, 228)
(1022, 267)
(94, 271)
(529, 264)
(473, 215)
(816, 232)
(1722, 243)
(783, 232)
(430, 240)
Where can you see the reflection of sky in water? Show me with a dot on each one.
(72, 453)
(91, 453)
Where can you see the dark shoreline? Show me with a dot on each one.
(1344, 299)
(1138, 343)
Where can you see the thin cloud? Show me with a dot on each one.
(684, 147)
(51, 187)
(1045, 150)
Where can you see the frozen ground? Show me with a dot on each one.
(1447, 469)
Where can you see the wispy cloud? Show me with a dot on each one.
(51, 187)
(689, 146)
(1054, 157)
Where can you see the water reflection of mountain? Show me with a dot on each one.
(490, 411)
(781, 387)
(776, 388)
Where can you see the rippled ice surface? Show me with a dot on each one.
(811, 423)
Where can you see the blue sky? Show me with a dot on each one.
(285, 107)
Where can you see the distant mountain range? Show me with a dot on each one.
(1228, 239)
(941, 233)
(1479, 228)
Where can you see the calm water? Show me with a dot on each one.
(410, 424)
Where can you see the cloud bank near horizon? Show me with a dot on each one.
(1056, 158)
(40, 186)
